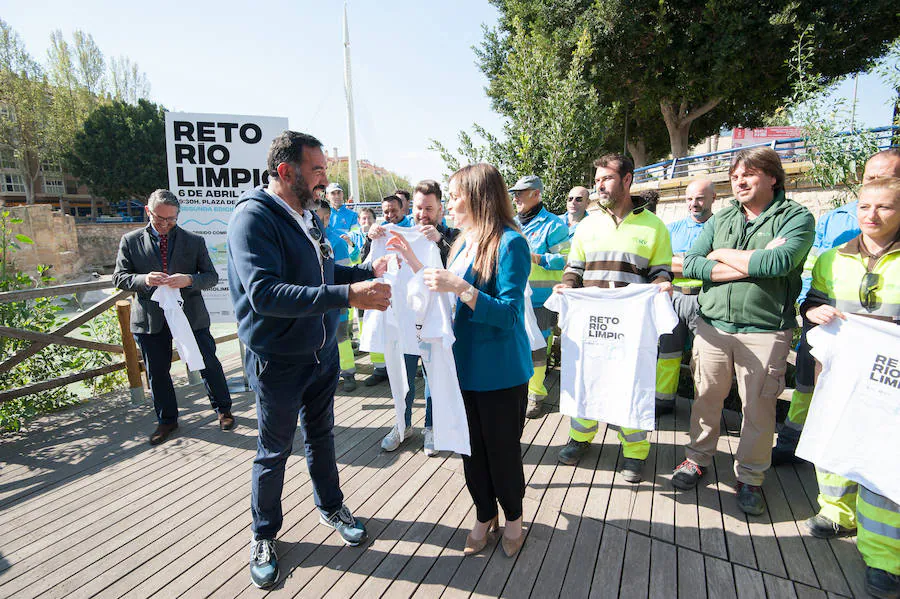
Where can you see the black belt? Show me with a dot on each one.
(688, 290)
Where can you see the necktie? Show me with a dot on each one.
(164, 251)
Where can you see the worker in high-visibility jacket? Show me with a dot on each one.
(343, 256)
(833, 229)
(862, 277)
(548, 237)
(620, 244)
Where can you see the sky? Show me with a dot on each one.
(414, 71)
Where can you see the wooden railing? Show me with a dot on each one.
(131, 364)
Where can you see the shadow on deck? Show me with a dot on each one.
(88, 508)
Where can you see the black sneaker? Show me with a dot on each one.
(349, 383)
(351, 530)
(375, 378)
(631, 470)
(263, 563)
(687, 475)
(825, 528)
(750, 499)
(573, 451)
(882, 584)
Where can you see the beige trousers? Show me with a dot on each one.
(758, 360)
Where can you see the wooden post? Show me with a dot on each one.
(132, 365)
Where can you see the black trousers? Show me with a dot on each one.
(494, 471)
(157, 351)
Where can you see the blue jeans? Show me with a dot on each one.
(287, 391)
(411, 363)
(157, 351)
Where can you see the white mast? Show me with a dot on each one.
(351, 123)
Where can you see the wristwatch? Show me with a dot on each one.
(467, 295)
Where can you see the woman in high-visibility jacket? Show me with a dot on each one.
(862, 277)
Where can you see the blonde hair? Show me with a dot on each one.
(891, 184)
(490, 212)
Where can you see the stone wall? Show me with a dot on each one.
(55, 241)
(671, 191)
(99, 243)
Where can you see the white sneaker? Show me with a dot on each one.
(429, 442)
(391, 440)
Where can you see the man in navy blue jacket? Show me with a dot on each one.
(288, 294)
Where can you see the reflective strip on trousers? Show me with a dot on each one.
(878, 536)
(635, 443)
(582, 429)
(837, 498)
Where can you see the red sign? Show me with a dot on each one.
(748, 137)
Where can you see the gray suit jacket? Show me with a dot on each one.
(139, 255)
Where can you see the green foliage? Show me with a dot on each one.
(837, 160)
(121, 150)
(555, 125)
(372, 186)
(686, 69)
(43, 315)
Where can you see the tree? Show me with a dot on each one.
(127, 82)
(121, 150)
(25, 101)
(373, 186)
(555, 123)
(699, 65)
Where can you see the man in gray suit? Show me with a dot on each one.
(162, 253)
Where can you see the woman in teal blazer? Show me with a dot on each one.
(488, 271)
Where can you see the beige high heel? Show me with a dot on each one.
(511, 546)
(474, 546)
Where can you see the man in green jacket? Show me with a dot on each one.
(750, 257)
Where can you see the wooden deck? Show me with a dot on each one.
(88, 508)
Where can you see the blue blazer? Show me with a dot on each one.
(492, 350)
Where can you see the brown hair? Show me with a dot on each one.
(369, 210)
(623, 164)
(763, 159)
(491, 212)
(429, 187)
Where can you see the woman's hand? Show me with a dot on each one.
(824, 314)
(398, 243)
(442, 280)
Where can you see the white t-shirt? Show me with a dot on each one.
(609, 346)
(170, 300)
(853, 426)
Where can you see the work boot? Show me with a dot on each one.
(631, 470)
(573, 451)
(375, 378)
(349, 383)
(750, 499)
(825, 528)
(882, 584)
(535, 407)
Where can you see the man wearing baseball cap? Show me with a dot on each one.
(548, 237)
(342, 218)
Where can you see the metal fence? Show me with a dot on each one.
(790, 150)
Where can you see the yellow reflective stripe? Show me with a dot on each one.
(539, 273)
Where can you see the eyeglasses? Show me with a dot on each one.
(316, 233)
(869, 284)
(578, 199)
(170, 220)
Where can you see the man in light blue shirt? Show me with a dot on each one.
(699, 197)
(342, 218)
